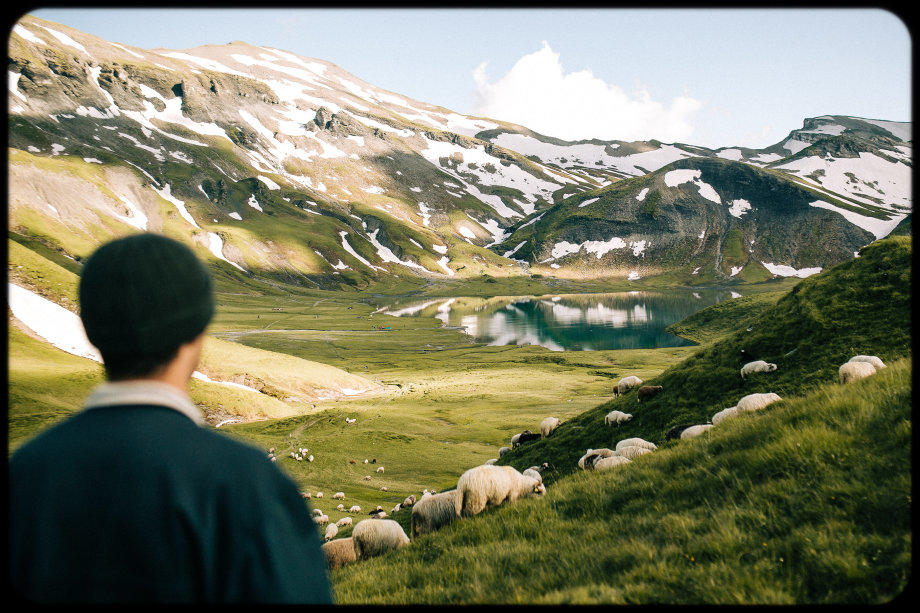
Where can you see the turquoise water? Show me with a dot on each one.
(569, 322)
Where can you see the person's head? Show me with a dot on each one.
(142, 299)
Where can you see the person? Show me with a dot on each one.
(132, 499)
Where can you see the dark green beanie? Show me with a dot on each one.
(144, 295)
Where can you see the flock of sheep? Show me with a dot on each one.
(487, 485)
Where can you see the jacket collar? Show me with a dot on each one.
(113, 393)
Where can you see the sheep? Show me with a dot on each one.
(409, 501)
(374, 537)
(339, 496)
(433, 513)
(755, 402)
(352, 462)
(367, 477)
(366, 460)
(503, 450)
(675, 432)
(548, 425)
(484, 486)
(871, 359)
(627, 383)
(532, 472)
(756, 366)
(853, 371)
(490, 461)
(319, 494)
(396, 508)
(647, 391)
(305, 495)
(694, 431)
(383, 488)
(339, 552)
(322, 520)
(637, 442)
(616, 417)
(526, 436)
(345, 521)
(380, 469)
(354, 509)
(331, 531)
(340, 507)
(724, 414)
(610, 462)
(514, 439)
(632, 452)
(591, 456)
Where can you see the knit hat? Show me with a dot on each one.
(144, 295)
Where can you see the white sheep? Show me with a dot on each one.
(587, 461)
(514, 439)
(627, 383)
(433, 513)
(724, 414)
(340, 507)
(350, 421)
(616, 417)
(610, 462)
(396, 508)
(548, 425)
(380, 469)
(854, 371)
(339, 552)
(532, 472)
(372, 537)
(503, 450)
(409, 501)
(367, 477)
(319, 494)
(632, 452)
(755, 402)
(636, 442)
(383, 488)
(317, 512)
(694, 431)
(339, 495)
(484, 486)
(490, 461)
(871, 359)
(331, 531)
(345, 521)
(354, 509)
(756, 366)
(322, 520)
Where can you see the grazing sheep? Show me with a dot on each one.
(605, 463)
(755, 402)
(647, 391)
(724, 414)
(616, 417)
(322, 520)
(339, 552)
(587, 461)
(532, 472)
(409, 501)
(339, 495)
(305, 495)
(354, 509)
(627, 383)
(367, 477)
(871, 359)
(374, 537)
(319, 494)
(433, 513)
(345, 521)
(514, 439)
(756, 366)
(548, 425)
(366, 460)
(636, 442)
(331, 531)
(383, 488)
(503, 450)
(317, 512)
(484, 486)
(380, 469)
(675, 432)
(854, 371)
(527, 436)
(694, 431)
(340, 507)
(396, 508)
(632, 452)
(490, 461)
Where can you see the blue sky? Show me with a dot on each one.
(704, 76)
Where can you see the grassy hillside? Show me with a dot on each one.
(858, 307)
(807, 501)
(721, 319)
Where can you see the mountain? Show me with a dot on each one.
(291, 169)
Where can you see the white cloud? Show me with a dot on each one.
(538, 94)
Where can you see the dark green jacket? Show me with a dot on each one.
(138, 503)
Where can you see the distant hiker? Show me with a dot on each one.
(132, 499)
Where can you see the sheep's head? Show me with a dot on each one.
(771, 367)
(539, 489)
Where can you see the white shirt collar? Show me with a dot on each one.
(114, 393)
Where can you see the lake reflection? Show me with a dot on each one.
(569, 322)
